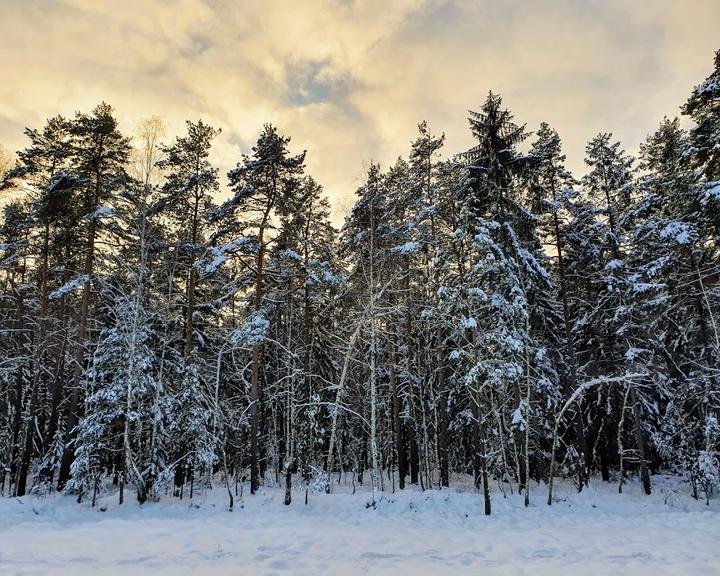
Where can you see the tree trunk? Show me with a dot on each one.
(255, 377)
(572, 381)
(637, 417)
(397, 424)
(329, 461)
(443, 441)
(73, 411)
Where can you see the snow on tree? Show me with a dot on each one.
(485, 314)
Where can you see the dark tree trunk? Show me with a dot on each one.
(443, 452)
(572, 381)
(397, 424)
(414, 455)
(73, 411)
(480, 456)
(642, 453)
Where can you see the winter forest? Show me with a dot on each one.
(480, 314)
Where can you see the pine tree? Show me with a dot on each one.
(703, 107)
(42, 168)
(187, 194)
(305, 272)
(261, 184)
(551, 194)
(99, 157)
(16, 341)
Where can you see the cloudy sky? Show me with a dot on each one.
(349, 80)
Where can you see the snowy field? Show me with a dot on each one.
(415, 533)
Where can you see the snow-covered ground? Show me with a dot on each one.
(414, 533)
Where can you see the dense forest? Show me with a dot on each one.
(484, 313)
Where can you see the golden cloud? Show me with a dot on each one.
(350, 80)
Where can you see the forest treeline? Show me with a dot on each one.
(485, 313)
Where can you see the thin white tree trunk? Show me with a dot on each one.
(338, 397)
(621, 450)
